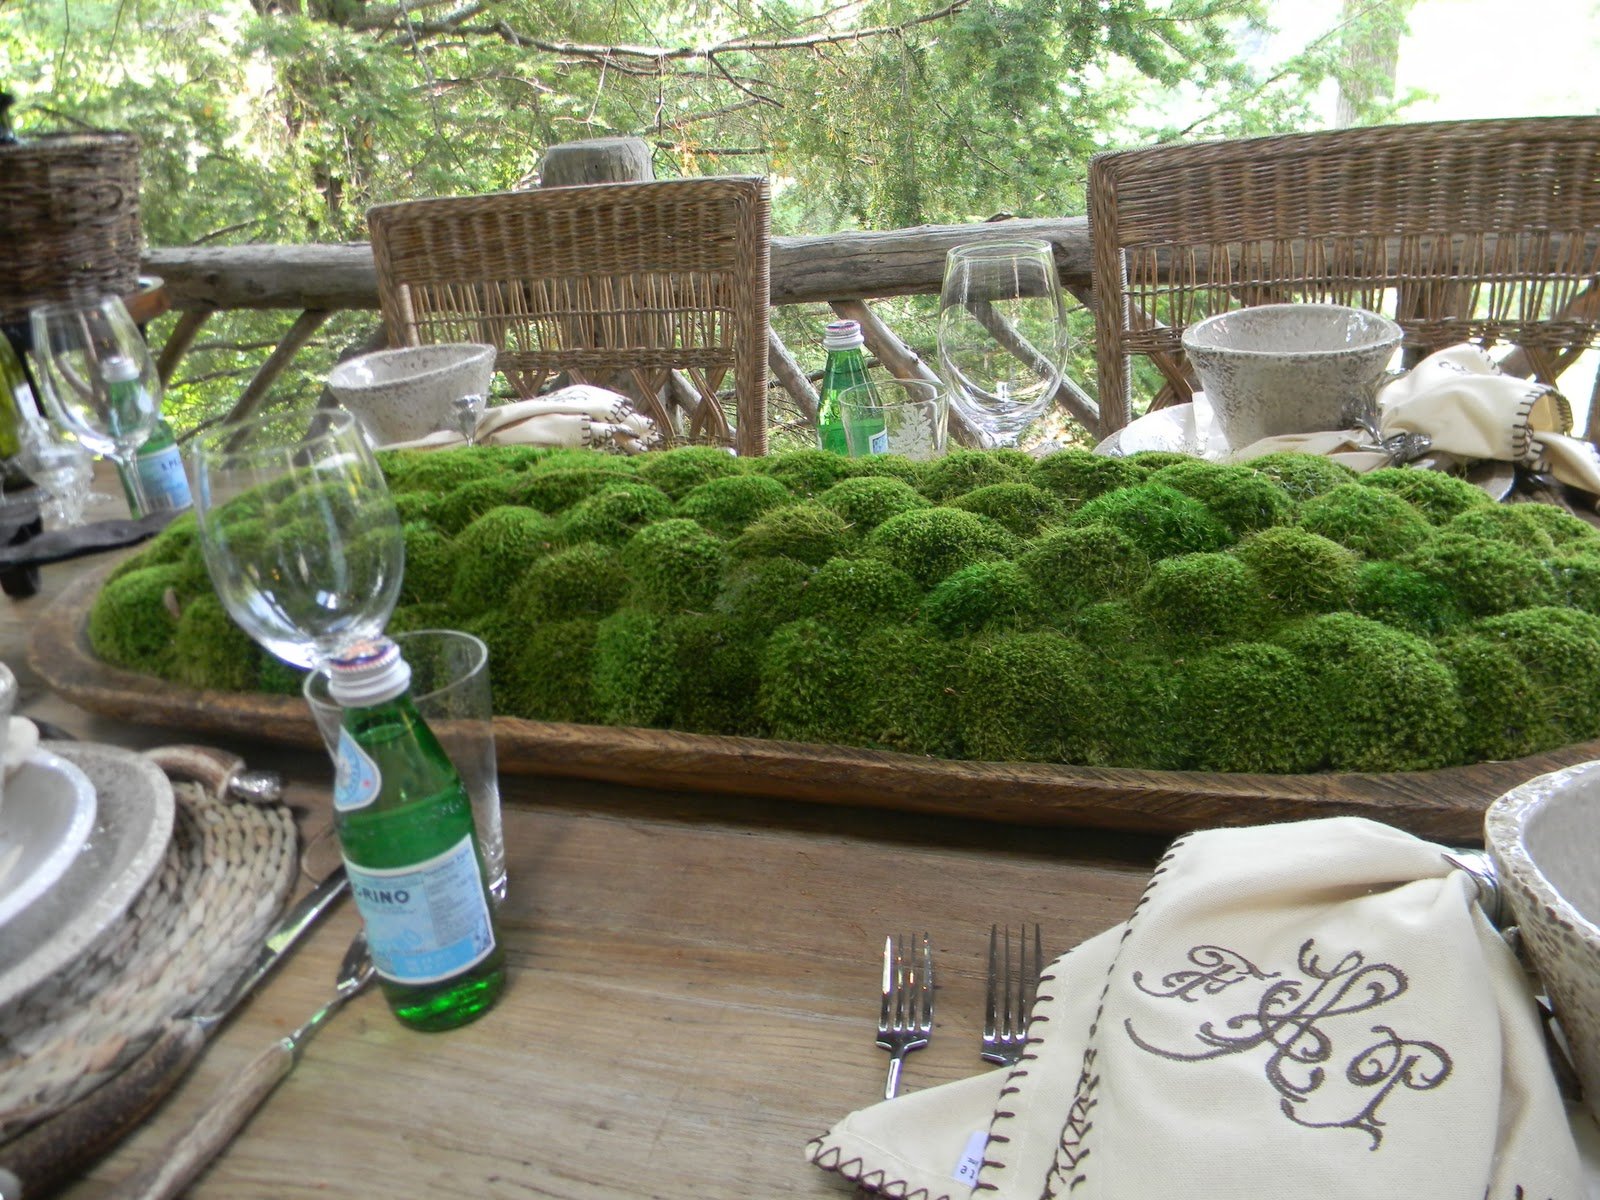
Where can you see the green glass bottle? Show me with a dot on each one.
(846, 367)
(166, 486)
(405, 827)
(16, 400)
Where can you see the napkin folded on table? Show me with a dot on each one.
(21, 740)
(1315, 1010)
(573, 417)
(1467, 408)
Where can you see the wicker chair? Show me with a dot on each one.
(1467, 230)
(642, 287)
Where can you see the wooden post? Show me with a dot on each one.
(602, 160)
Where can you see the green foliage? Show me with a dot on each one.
(1370, 521)
(964, 471)
(1436, 495)
(806, 473)
(1242, 499)
(460, 507)
(1160, 521)
(1104, 641)
(1302, 476)
(1383, 701)
(1248, 707)
(1203, 596)
(868, 501)
(727, 505)
(1300, 572)
(587, 580)
(678, 472)
(673, 566)
(930, 544)
(986, 595)
(494, 551)
(1484, 577)
(1085, 563)
(613, 514)
(808, 533)
(1020, 507)
(857, 593)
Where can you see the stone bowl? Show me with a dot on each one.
(1290, 368)
(402, 395)
(1545, 841)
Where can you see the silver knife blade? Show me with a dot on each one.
(300, 917)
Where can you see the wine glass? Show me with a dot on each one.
(1002, 335)
(299, 533)
(98, 379)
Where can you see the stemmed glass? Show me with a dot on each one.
(98, 379)
(1002, 335)
(299, 533)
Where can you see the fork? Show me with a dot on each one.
(907, 1016)
(1010, 995)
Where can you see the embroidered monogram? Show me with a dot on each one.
(1300, 1020)
(1219, 969)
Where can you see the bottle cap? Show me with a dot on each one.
(370, 672)
(842, 335)
(119, 368)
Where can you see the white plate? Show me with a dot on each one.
(1184, 428)
(47, 814)
(128, 842)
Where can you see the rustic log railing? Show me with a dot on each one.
(846, 271)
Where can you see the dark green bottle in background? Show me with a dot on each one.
(405, 826)
(846, 366)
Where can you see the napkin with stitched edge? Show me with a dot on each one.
(1306, 1011)
(571, 417)
(1467, 407)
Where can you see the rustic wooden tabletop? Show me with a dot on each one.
(693, 989)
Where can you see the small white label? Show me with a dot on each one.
(356, 778)
(971, 1158)
(427, 922)
(166, 487)
(878, 443)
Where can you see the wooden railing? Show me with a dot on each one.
(847, 271)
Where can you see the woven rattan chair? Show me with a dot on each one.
(1466, 230)
(640, 287)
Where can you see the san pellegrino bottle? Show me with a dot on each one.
(410, 847)
(845, 367)
(166, 487)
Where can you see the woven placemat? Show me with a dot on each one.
(228, 870)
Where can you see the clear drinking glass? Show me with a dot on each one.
(450, 684)
(1002, 334)
(60, 468)
(910, 417)
(98, 379)
(299, 532)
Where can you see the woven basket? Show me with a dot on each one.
(69, 219)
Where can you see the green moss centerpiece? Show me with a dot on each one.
(1280, 617)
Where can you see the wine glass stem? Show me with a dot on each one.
(129, 461)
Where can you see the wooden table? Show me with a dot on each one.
(692, 995)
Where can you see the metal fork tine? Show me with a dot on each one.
(926, 1023)
(1021, 1022)
(907, 1015)
(991, 999)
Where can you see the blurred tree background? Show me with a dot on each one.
(283, 120)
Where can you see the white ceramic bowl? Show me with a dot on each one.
(1545, 840)
(48, 817)
(1290, 368)
(401, 395)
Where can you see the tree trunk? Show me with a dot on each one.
(1368, 57)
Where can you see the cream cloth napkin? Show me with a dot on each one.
(1306, 1011)
(1468, 408)
(572, 417)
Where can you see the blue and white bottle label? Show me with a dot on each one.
(166, 487)
(356, 778)
(427, 922)
(878, 443)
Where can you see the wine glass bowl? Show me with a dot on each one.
(1002, 334)
(97, 378)
(299, 533)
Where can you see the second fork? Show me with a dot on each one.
(1010, 995)
(906, 1021)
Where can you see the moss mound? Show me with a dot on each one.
(1152, 612)
(1370, 521)
(1160, 521)
(931, 544)
(868, 501)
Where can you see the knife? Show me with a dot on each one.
(176, 1165)
(51, 1152)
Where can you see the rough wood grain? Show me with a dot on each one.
(1446, 804)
